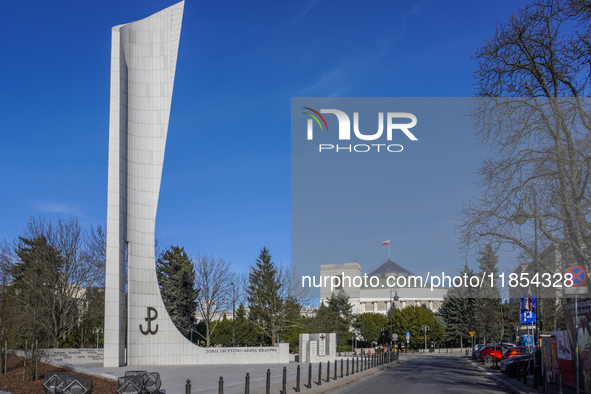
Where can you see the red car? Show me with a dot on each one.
(489, 353)
(517, 351)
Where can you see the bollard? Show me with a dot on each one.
(284, 381)
(347, 366)
(247, 384)
(335, 370)
(358, 365)
(297, 389)
(560, 383)
(221, 385)
(341, 368)
(188, 387)
(525, 376)
(328, 371)
(320, 373)
(353, 366)
(310, 376)
(546, 382)
(268, 390)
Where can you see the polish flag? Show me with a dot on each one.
(385, 243)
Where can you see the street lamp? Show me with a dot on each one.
(396, 298)
(233, 314)
(338, 328)
(425, 328)
(96, 331)
(520, 218)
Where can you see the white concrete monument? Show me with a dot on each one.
(317, 347)
(143, 64)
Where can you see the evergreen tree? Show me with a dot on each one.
(457, 311)
(272, 309)
(222, 335)
(246, 334)
(36, 276)
(412, 319)
(176, 277)
(325, 319)
(372, 326)
(488, 307)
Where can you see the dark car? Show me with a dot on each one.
(479, 348)
(511, 365)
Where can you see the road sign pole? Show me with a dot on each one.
(577, 338)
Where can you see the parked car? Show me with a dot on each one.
(494, 351)
(511, 365)
(490, 352)
(479, 348)
(517, 351)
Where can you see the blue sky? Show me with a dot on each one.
(226, 179)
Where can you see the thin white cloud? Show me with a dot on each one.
(415, 10)
(340, 78)
(61, 208)
(307, 8)
(332, 78)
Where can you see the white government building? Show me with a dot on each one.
(378, 299)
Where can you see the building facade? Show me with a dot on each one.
(378, 296)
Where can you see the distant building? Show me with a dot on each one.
(377, 297)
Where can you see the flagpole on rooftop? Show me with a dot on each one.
(387, 243)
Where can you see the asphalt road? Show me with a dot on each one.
(426, 374)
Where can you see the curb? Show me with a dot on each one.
(76, 368)
(497, 379)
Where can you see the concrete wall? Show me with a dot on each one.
(229, 355)
(70, 356)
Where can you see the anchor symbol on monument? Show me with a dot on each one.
(152, 315)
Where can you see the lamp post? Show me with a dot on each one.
(396, 298)
(425, 328)
(338, 328)
(520, 218)
(233, 314)
(96, 331)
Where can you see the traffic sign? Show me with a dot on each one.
(576, 290)
(579, 275)
(408, 336)
(471, 333)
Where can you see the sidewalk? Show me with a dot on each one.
(205, 378)
(517, 386)
(325, 386)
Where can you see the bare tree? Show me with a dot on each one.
(540, 132)
(58, 265)
(216, 285)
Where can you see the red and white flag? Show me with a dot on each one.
(386, 243)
